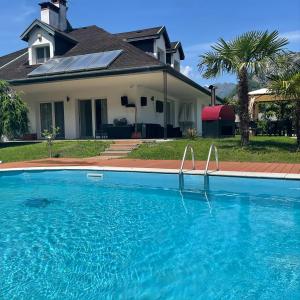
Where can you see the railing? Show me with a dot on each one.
(181, 178)
(206, 177)
(212, 147)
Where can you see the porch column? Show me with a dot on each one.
(165, 80)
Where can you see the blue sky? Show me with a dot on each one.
(197, 24)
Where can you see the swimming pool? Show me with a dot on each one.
(65, 235)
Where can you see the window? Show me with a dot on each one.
(42, 54)
(161, 56)
(46, 116)
(52, 115)
(177, 65)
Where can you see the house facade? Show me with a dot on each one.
(92, 83)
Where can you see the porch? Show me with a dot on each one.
(144, 105)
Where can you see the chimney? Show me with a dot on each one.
(213, 94)
(63, 21)
(54, 13)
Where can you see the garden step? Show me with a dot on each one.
(124, 145)
(127, 143)
(107, 157)
(115, 153)
(121, 148)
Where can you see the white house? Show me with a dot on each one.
(91, 83)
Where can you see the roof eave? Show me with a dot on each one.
(142, 38)
(25, 35)
(187, 80)
(89, 74)
(164, 32)
(102, 73)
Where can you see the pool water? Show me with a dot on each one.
(64, 235)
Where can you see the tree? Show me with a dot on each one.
(13, 112)
(244, 56)
(287, 85)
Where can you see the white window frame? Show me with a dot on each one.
(44, 47)
(52, 114)
(176, 65)
(161, 55)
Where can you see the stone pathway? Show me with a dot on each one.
(120, 149)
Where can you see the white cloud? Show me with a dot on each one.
(186, 70)
(191, 72)
(292, 36)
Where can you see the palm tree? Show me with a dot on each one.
(244, 56)
(287, 86)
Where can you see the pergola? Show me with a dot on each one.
(261, 96)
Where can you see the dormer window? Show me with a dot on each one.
(177, 65)
(161, 55)
(42, 54)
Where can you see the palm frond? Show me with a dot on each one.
(286, 85)
(251, 51)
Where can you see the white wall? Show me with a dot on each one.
(34, 42)
(79, 92)
(160, 43)
(198, 116)
(111, 89)
(50, 17)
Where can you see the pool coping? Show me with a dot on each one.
(262, 175)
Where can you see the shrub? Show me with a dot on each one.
(191, 133)
(13, 113)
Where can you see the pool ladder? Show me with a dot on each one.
(181, 178)
(206, 177)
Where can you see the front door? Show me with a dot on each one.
(85, 118)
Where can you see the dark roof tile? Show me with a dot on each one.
(90, 39)
(9, 57)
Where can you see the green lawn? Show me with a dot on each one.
(20, 152)
(261, 149)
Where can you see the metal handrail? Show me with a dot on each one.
(181, 179)
(212, 147)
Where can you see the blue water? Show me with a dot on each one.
(134, 236)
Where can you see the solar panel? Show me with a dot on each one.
(81, 63)
(77, 63)
(62, 65)
(104, 59)
(44, 68)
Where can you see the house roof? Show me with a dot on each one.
(90, 39)
(144, 34)
(10, 57)
(177, 46)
